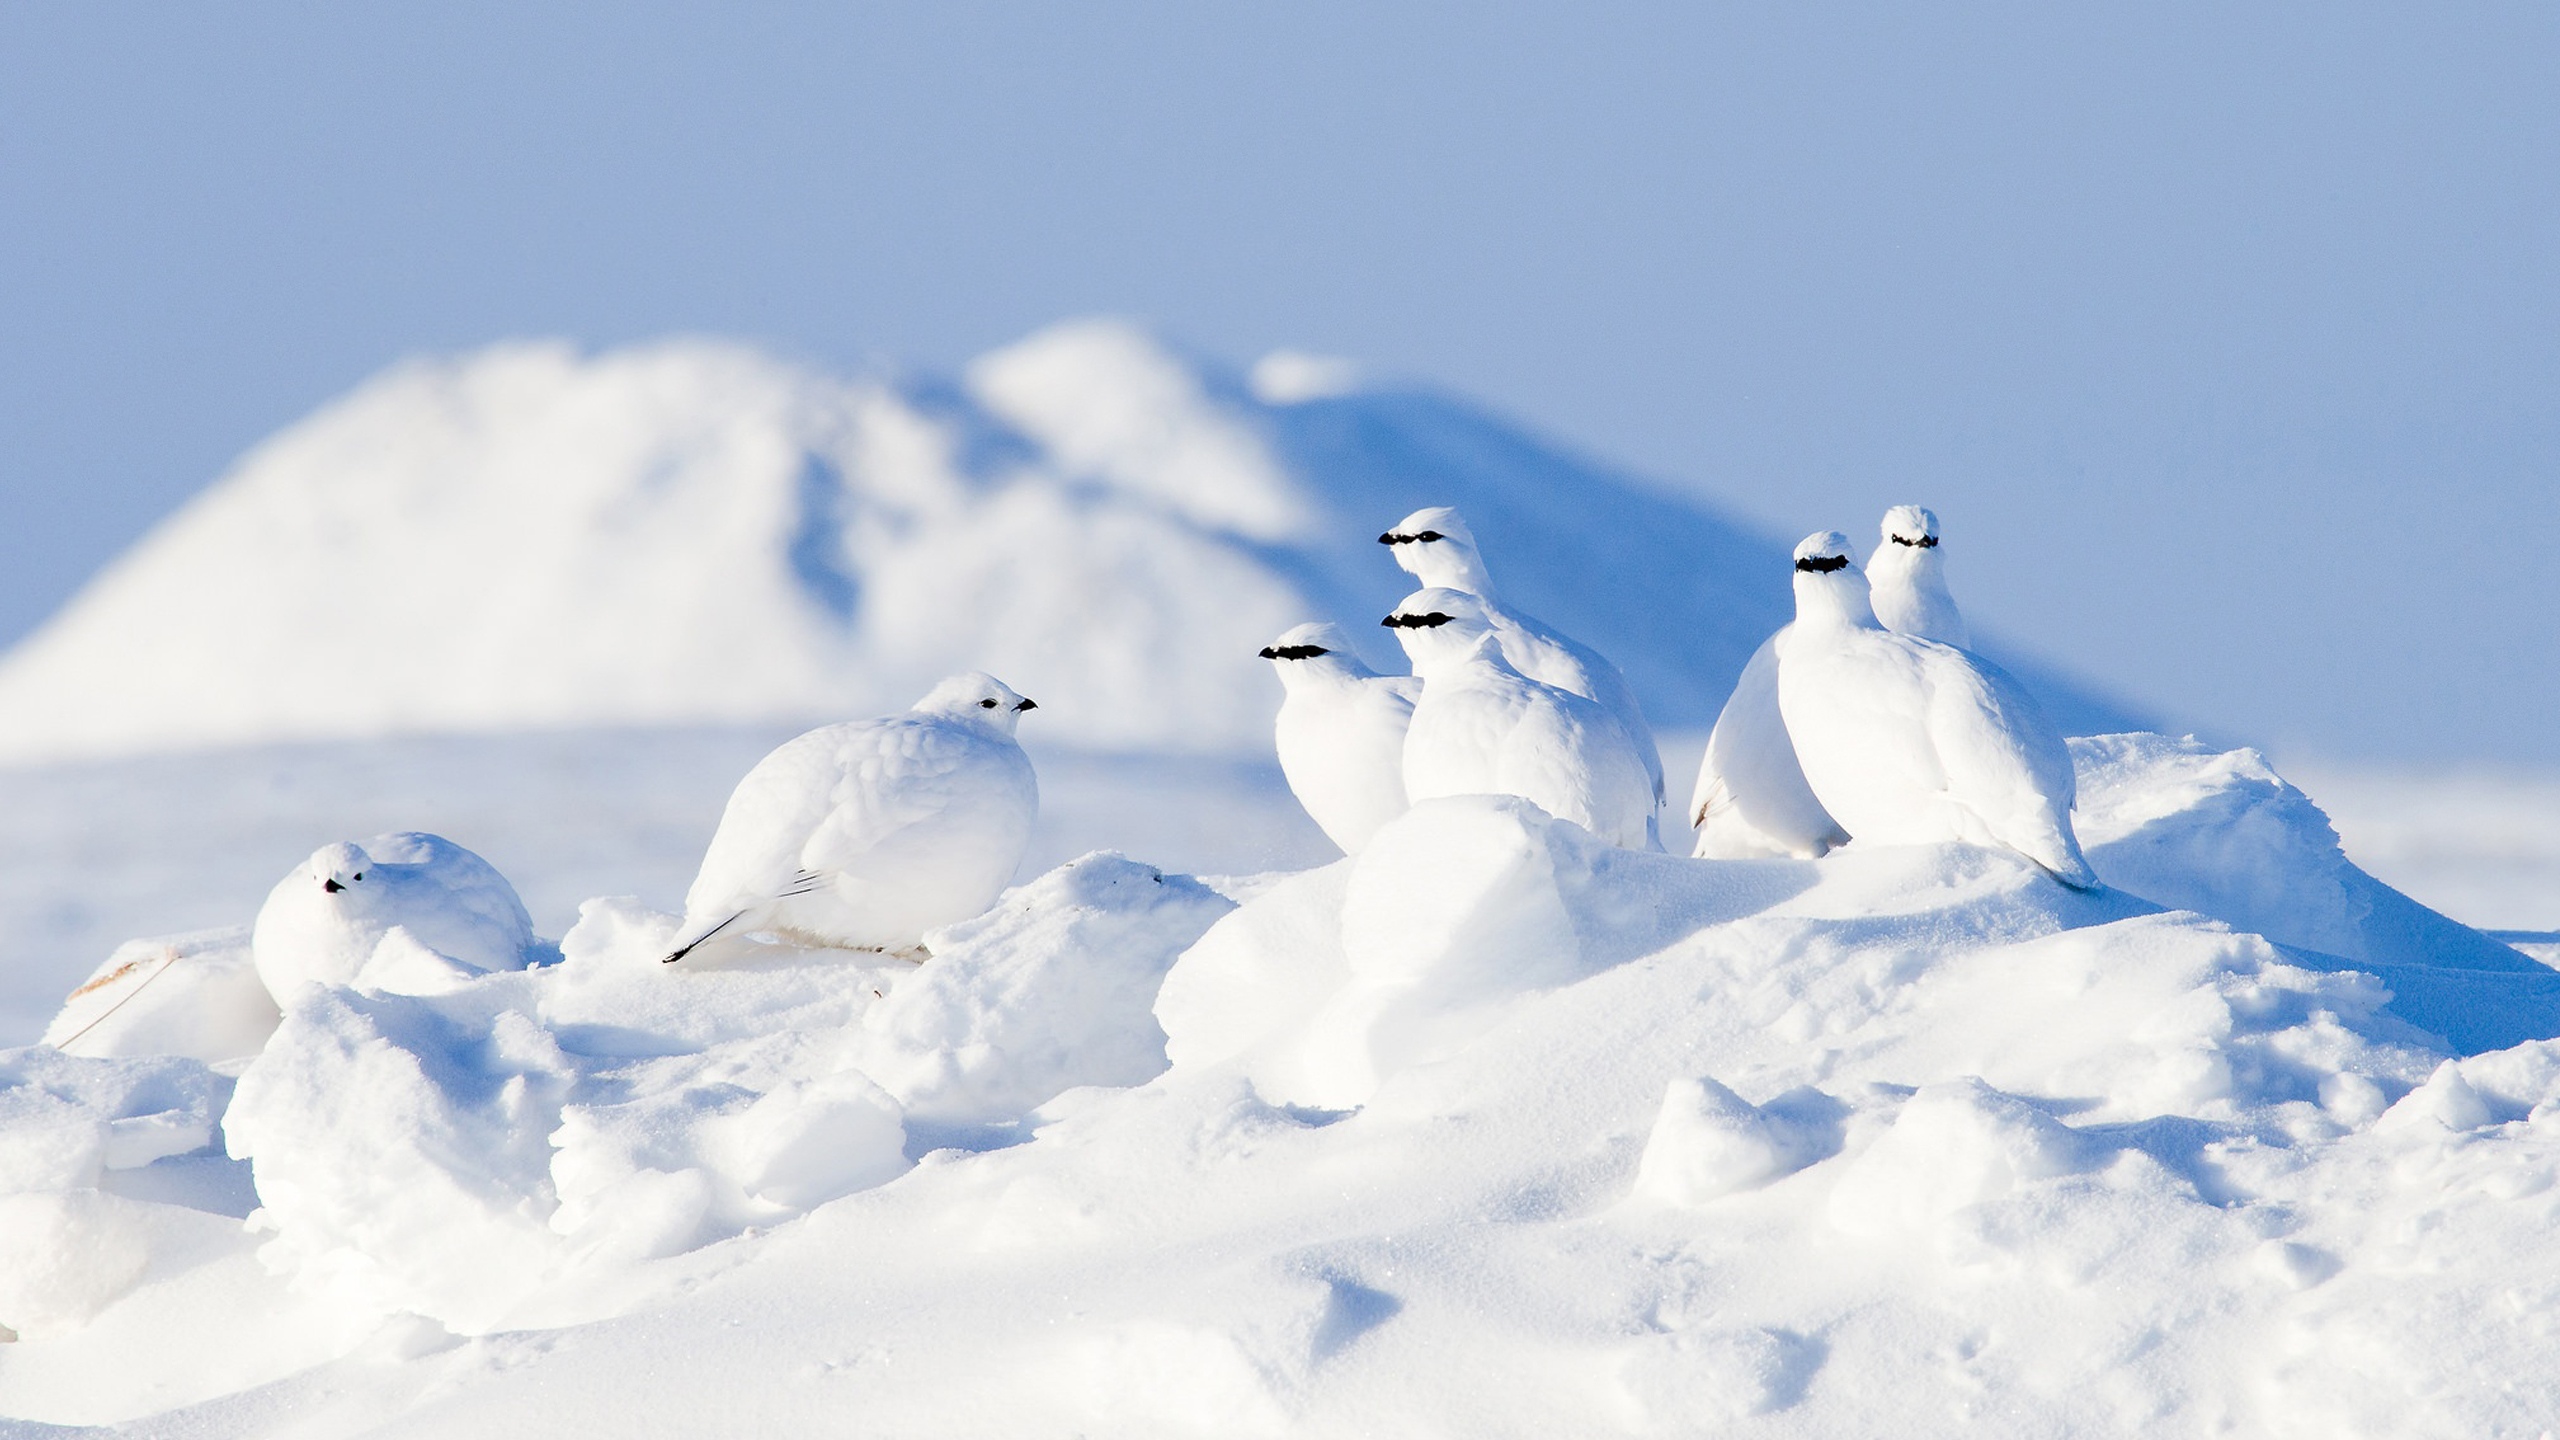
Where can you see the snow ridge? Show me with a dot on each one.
(691, 532)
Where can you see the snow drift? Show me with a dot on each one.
(1489, 1130)
(693, 532)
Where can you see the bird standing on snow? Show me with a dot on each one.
(863, 836)
(1909, 575)
(1340, 733)
(1435, 546)
(1751, 799)
(325, 920)
(1483, 728)
(1908, 741)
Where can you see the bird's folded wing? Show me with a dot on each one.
(1997, 749)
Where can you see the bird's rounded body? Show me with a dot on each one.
(1908, 741)
(1340, 734)
(866, 834)
(322, 922)
(1480, 727)
(1752, 799)
(1436, 547)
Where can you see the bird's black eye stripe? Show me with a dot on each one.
(1925, 542)
(1417, 622)
(1417, 537)
(1293, 652)
(1823, 564)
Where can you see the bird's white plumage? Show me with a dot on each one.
(1908, 741)
(1908, 579)
(1751, 799)
(330, 917)
(1340, 733)
(865, 835)
(1435, 546)
(1480, 727)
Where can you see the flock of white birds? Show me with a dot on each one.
(1867, 716)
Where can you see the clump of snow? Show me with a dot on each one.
(196, 995)
(1709, 1142)
(1051, 990)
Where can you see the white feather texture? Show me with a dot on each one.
(327, 920)
(1483, 728)
(865, 835)
(1435, 546)
(1908, 578)
(1908, 741)
(1340, 733)
(1751, 799)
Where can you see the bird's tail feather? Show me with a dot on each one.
(693, 936)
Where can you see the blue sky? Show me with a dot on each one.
(2227, 340)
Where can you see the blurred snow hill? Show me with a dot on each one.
(693, 532)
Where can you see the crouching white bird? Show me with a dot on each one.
(864, 835)
(1752, 799)
(1483, 728)
(1907, 741)
(1340, 733)
(1435, 546)
(325, 920)
(1909, 578)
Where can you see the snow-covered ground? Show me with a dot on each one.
(1490, 1132)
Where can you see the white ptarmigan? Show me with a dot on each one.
(327, 920)
(1908, 574)
(1751, 799)
(1483, 728)
(1907, 741)
(1434, 546)
(1340, 733)
(867, 834)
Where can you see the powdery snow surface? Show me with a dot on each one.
(691, 532)
(1491, 1130)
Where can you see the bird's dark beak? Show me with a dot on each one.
(1270, 654)
(1389, 622)
(1028, 705)
(332, 886)
(1387, 539)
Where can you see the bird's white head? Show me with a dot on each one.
(1434, 546)
(1439, 627)
(1313, 649)
(977, 696)
(1830, 588)
(1909, 527)
(339, 869)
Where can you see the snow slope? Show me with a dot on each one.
(691, 532)
(1490, 1131)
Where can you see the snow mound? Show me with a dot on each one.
(1490, 1129)
(196, 995)
(571, 1124)
(692, 532)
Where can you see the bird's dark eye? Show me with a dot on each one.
(1428, 536)
(986, 704)
(357, 876)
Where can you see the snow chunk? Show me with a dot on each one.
(1709, 1142)
(1956, 1144)
(196, 995)
(1050, 990)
